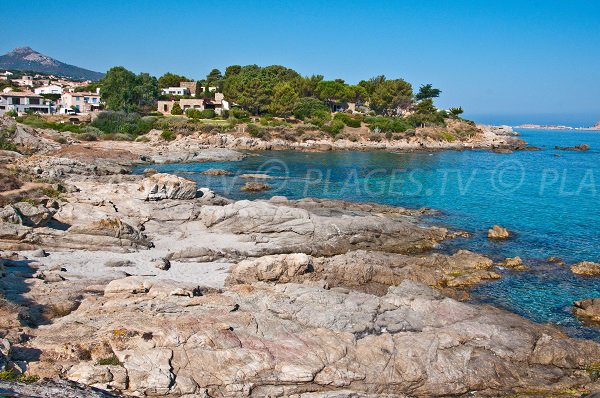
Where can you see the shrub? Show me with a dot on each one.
(389, 135)
(167, 135)
(193, 113)
(112, 360)
(176, 110)
(208, 114)
(447, 136)
(307, 107)
(120, 122)
(319, 118)
(11, 113)
(60, 139)
(385, 124)
(334, 128)
(239, 114)
(258, 132)
(347, 120)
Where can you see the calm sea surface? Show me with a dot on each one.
(550, 199)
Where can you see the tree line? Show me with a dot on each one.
(275, 90)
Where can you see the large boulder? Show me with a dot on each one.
(588, 309)
(167, 186)
(275, 268)
(27, 214)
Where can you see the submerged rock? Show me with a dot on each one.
(580, 147)
(216, 172)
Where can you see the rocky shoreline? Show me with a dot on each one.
(147, 285)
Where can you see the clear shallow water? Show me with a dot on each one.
(550, 200)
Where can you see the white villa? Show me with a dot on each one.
(175, 91)
(52, 89)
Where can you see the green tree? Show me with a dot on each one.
(232, 71)
(333, 92)
(456, 111)
(307, 107)
(146, 92)
(118, 89)
(425, 107)
(199, 92)
(171, 80)
(283, 100)
(214, 78)
(391, 97)
(427, 91)
(176, 110)
(252, 86)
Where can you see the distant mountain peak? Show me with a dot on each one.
(27, 59)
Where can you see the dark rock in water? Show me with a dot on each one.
(216, 172)
(556, 260)
(528, 148)
(255, 187)
(580, 147)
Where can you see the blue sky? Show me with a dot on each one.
(503, 61)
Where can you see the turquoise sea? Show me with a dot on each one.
(550, 200)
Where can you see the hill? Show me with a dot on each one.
(26, 59)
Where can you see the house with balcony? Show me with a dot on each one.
(24, 102)
(82, 102)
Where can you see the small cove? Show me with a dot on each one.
(549, 199)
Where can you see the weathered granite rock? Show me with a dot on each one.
(167, 186)
(277, 228)
(288, 339)
(498, 232)
(588, 309)
(371, 272)
(51, 167)
(26, 214)
(277, 268)
(111, 227)
(586, 268)
(52, 389)
(91, 374)
(513, 262)
(254, 186)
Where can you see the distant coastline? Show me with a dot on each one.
(556, 127)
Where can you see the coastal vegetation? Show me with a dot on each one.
(382, 104)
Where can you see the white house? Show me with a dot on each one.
(24, 81)
(82, 102)
(52, 89)
(23, 102)
(175, 91)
